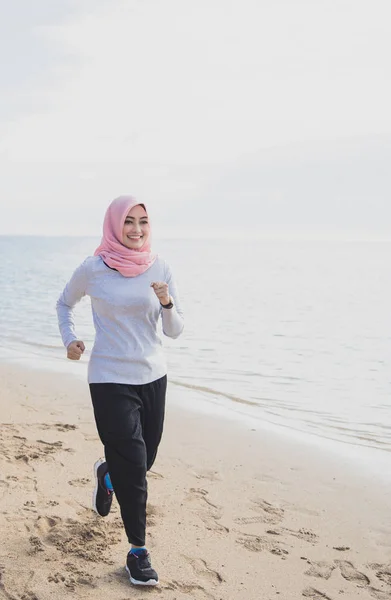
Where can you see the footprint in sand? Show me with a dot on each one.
(269, 512)
(29, 484)
(203, 571)
(62, 427)
(88, 538)
(323, 570)
(28, 451)
(81, 482)
(208, 475)
(36, 545)
(208, 512)
(350, 573)
(187, 589)
(303, 534)
(7, 431)
(44, 524)
(73, 580)
(315, 594)
(30, 506)
(257, 543)
(320, 569)
(382, 572)
(379, 594)
(249, 520)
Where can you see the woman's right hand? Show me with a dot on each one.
(75, 350)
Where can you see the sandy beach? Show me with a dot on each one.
(234, 512)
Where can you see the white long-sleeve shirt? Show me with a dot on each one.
(126, 312)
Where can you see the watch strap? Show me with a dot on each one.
(169, 305)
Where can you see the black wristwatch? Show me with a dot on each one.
(169, 305)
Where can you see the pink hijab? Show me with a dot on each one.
(115, 254)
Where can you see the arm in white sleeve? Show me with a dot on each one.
(172, 318)
(73, 292)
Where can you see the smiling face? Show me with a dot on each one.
(136, 229)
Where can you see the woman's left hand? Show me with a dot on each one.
(161, 290)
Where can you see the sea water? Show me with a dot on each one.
(291, 335)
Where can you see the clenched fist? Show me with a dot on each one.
(161, 290)
(75, 350)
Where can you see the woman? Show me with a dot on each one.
(130, 289)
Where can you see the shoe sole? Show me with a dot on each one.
(95, 492)
(137, 582)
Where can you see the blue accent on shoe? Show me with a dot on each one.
(102, 497)
(108, 483)
(138, 551)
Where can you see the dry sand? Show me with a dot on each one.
(233, 513)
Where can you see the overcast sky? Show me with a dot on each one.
(222, 115)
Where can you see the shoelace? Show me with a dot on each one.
(143, 561)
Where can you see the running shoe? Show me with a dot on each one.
(140, 569)
(103, 493)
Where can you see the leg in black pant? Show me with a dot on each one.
(129, 420)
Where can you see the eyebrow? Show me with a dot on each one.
(134, 217)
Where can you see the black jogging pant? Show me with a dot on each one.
(129, 419)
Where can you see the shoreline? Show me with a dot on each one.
(361, 456)
(233, 513)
